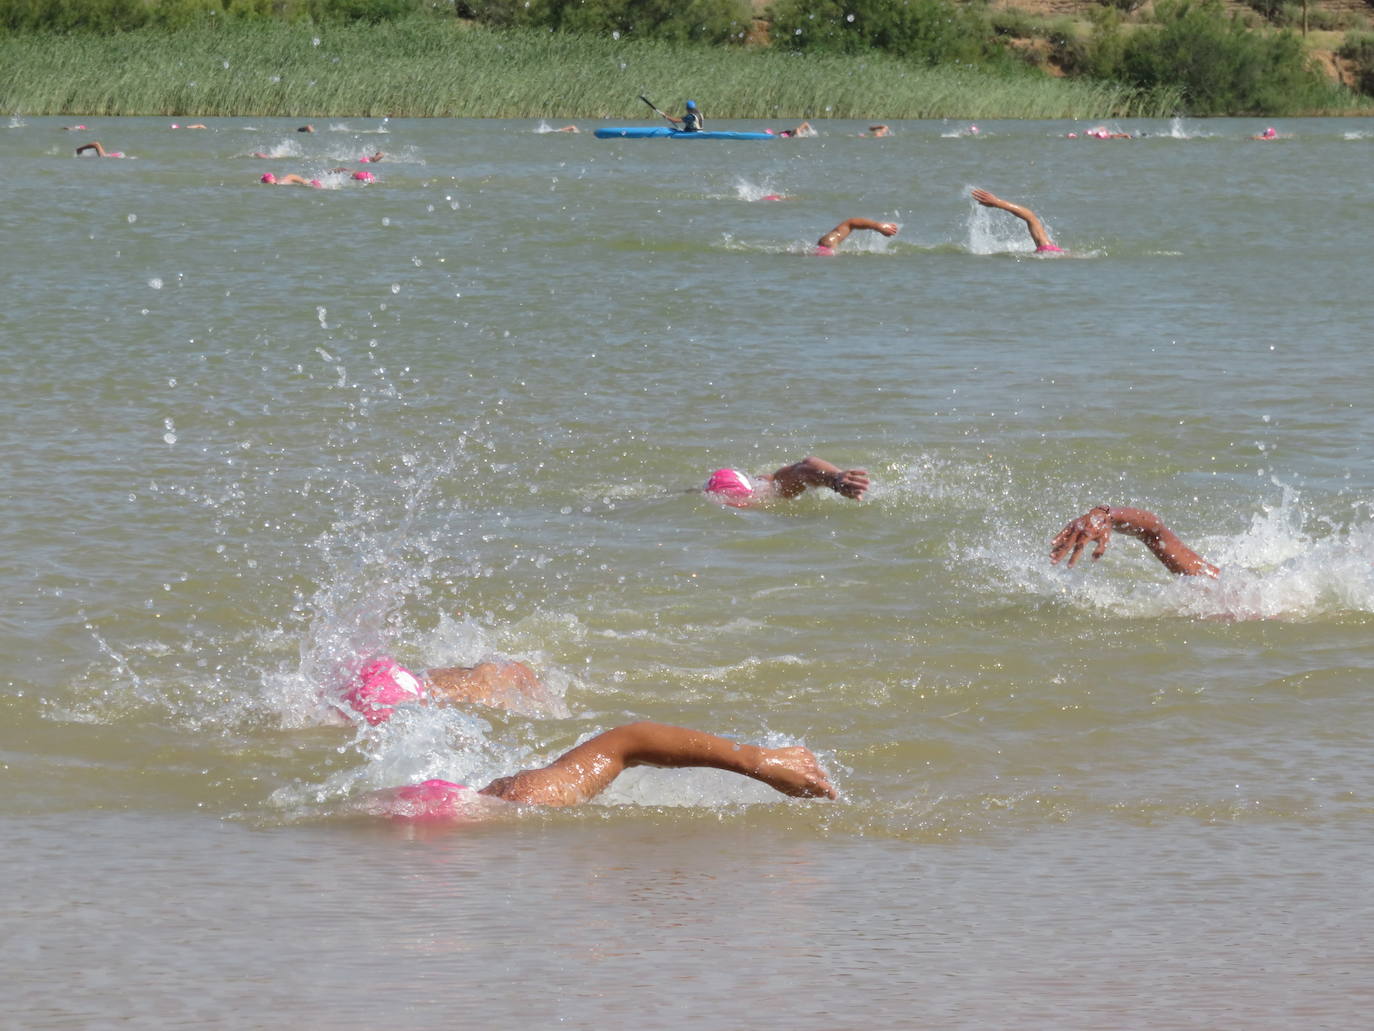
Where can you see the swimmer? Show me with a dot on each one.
(800, 132)
(289, 180)
(1269, 134)
(100, 151)
(582, 773)
(1096, 525)
(877, 132)
(825, 246)
(373, 158)
(72, 128)
(738, 490)
(306, 128)
(1043, 243)
(567, 128)
(384, 683)
(196, 126)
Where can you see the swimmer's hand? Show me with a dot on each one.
(1092, 527)
(886, 228)
(851, 483)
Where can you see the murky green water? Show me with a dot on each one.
(250, 434)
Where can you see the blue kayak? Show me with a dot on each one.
(662, 132)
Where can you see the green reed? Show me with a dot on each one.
(430, 67)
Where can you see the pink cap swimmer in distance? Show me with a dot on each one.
(381, 686)
(729, 483)
(268, 177)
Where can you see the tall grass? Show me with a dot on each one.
(427, 67)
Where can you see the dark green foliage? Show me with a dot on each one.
(929, 32)
(1358, 49)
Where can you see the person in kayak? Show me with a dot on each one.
(825, 246)
(734, 488)
(691, 120)
(1096, 525)
(1041, 238)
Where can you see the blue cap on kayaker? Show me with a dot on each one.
(691, 105)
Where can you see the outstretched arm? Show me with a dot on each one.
(1026, 215)
(791, 480)
(93, 145)
(589, 769)
(837, 235)
(1096, 525)
(501, 685)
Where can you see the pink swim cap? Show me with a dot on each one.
(364, 159)
(1270, 133)
(382, 685)
(822, 251)
(431, 800)
(365, 177)
(268, 177)
(771, 196)
(729, 483)
(317, 184)
(1073, 135)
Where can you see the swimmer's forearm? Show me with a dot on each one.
(1163, 543)
(791, 480)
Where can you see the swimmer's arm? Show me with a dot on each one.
(93, 145)
(587, 770)
(1096, 526)
(841, 232)
(488, 683)
(1032, 220)
(791, 480)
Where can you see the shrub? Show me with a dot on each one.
(928, 32)
(1358, 49)
(1221, 67)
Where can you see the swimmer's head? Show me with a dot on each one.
(973, 130)
(382, 685)
(729, 485)
(1270, 133)
(822, 251)
(691, 105)
(364, 177)
(268, 178)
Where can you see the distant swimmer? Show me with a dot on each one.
(289, 180)
(877, 132)
(306, 128)
(373, 158)
(582, 773)
(1096, 525)
(98, 150)
(567, 128)
(737, 489)
(800, 132)
(1269, 134)
(691, 120)
(196, 126)
(825, 246)
(73, 128)
(1041, 238)
(1101, 132)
